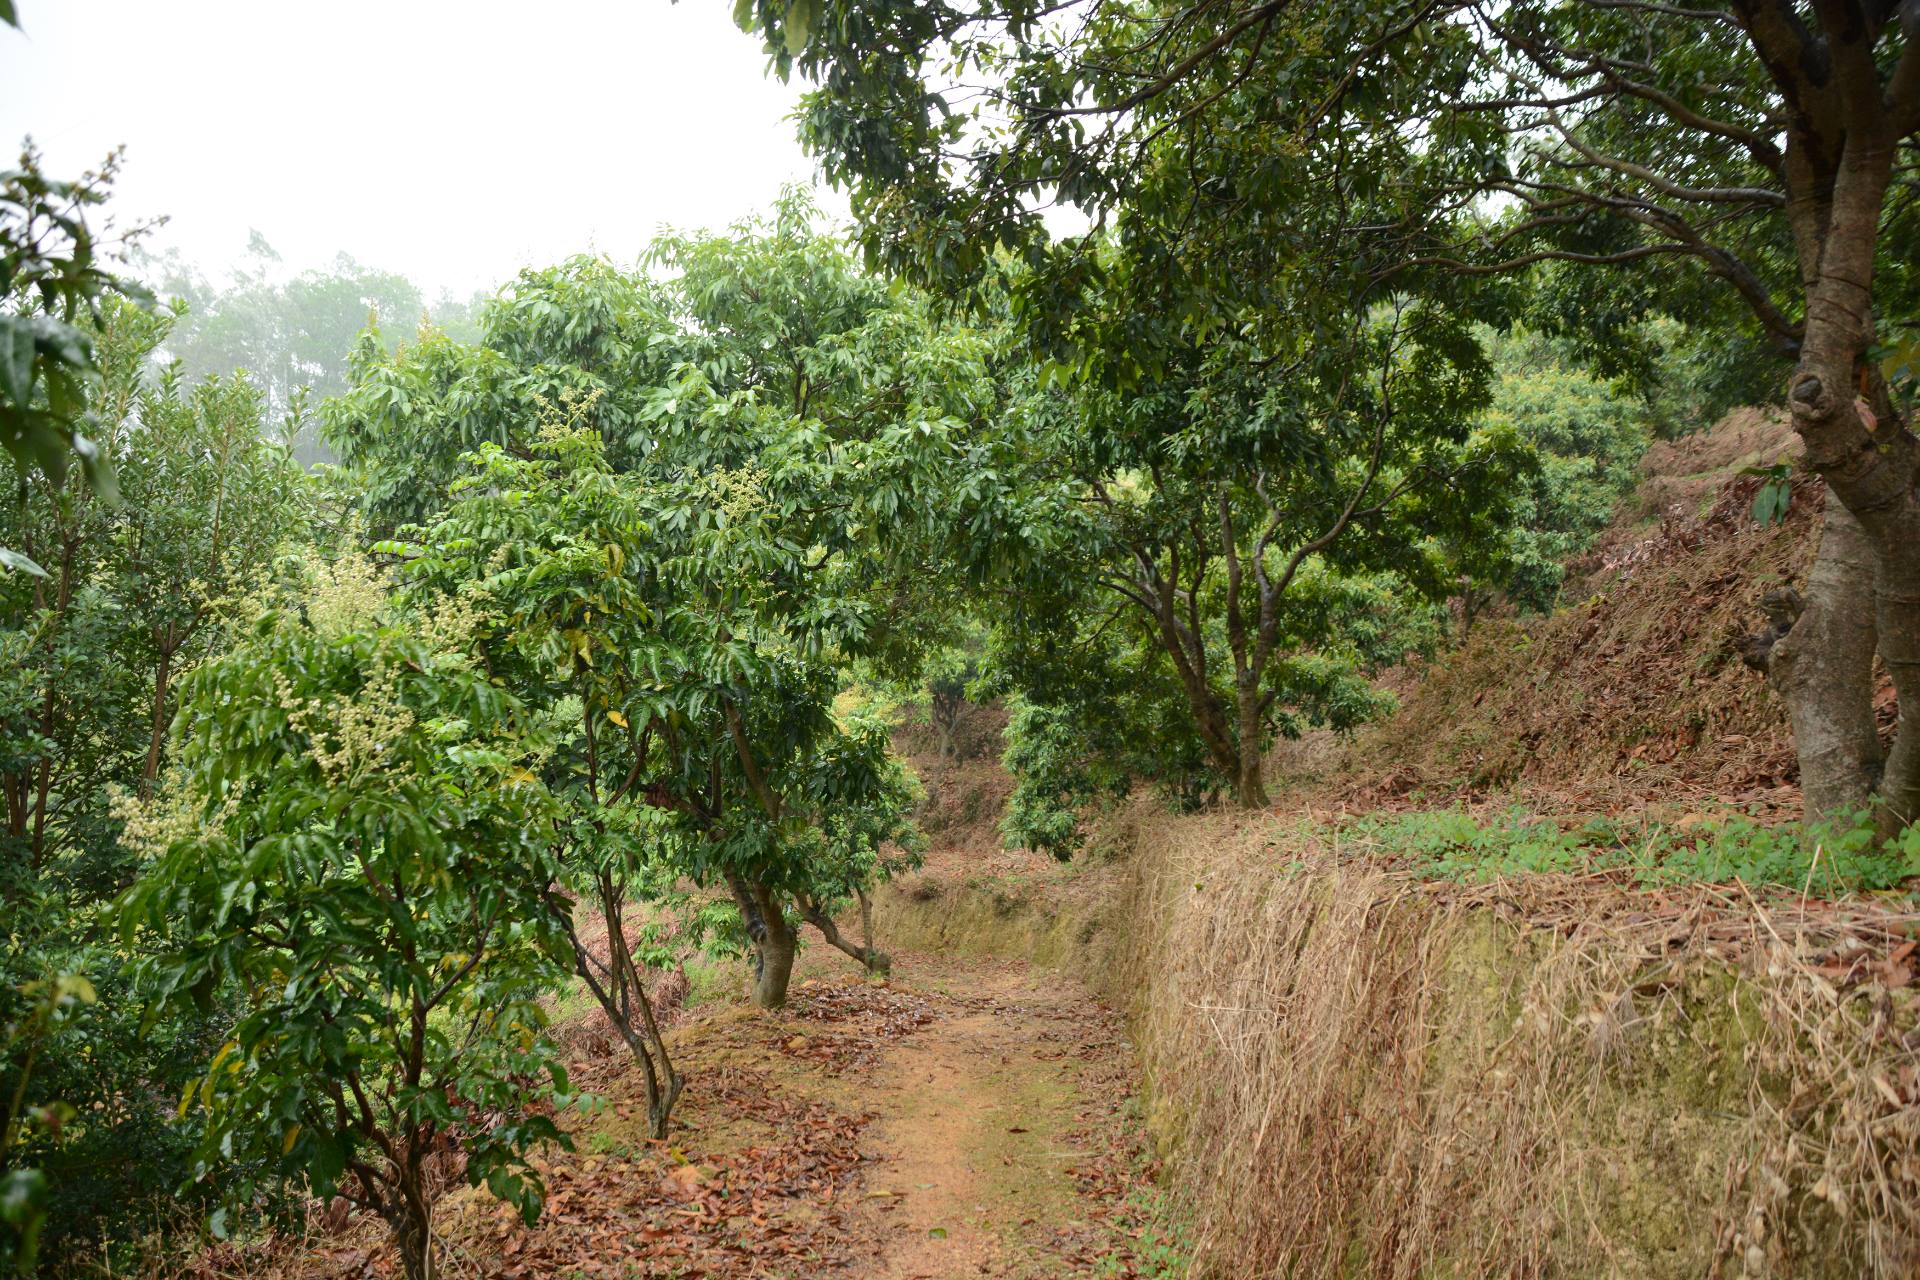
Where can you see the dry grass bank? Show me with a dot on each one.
(1358, 1073)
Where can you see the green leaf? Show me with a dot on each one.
(11, 559)
(1901, 364)
(743, 13)
(16, 359)
(798, 27)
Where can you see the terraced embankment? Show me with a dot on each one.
(1355, 1071)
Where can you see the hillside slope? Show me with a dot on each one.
(1632, 693)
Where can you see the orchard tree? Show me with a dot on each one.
(1231, 521)
(134, 596)
(790, 429)
(63, 721)
(351, 843)
(1766, 146)
(950, 673)
(208, 500)
(553, 555)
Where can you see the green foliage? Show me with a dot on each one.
(1587, 441)
(1775, 494)
(53, 279)
(45, 1005)
(1056, 777)
(682, 510)
(137, 595)
(870, 841)
(1227, 555)
(349, 841)
(1825, 861)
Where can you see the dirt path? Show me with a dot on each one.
(969, 1118)
(993, 1125)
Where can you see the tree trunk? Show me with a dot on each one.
(774, 940)
(1823, 670)
(1249, 781)
(412, 1224)
(1839, 161)
(945, 714)
(866, 929)
(618, 997)
(159, 736)
(773, 966)
(1249, 786)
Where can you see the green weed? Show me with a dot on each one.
(1824, 860)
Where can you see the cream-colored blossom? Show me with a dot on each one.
(346, 594)
(350, 738)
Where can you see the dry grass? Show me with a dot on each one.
(1362, 1073)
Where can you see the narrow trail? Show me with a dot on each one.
(991, 1126)
(968, 1118)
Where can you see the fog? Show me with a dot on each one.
(452, 141)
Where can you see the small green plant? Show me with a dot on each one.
(49, 1004)
(1826, 860)
(1775, 496)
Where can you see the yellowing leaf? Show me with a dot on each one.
(293, 1136)
(617, 718)
(581, 644)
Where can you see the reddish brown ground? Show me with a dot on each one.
(968, 1118)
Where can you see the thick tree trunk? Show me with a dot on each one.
(1839, 161)
(1869, 467)
(1823, 669)
(1249, 786)
(774, 940)
(773, 967)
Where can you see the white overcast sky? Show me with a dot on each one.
(454, 141)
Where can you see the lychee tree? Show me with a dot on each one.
(349, 845)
